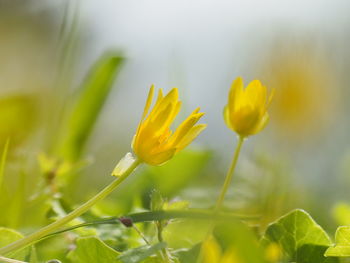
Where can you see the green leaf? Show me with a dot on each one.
(184, 234)
(85, 112)
(18, 116)
(8, 236)
(175, 175)
(342, 243)
(138, 254)
(188, 255)
(300, 237)
(92, 249)
(157, 201)
(237, 235)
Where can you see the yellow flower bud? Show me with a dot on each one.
(154, 142)
(246, 110)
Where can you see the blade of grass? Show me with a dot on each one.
(10, 260)
(15, 210)
(93, 94)
(3, 162)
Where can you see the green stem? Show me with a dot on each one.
(164, 252)
(10, 260)
(141, 235)
(160, 215)
(222, 195)
(229, 174)
(21, 243)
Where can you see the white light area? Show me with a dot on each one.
(199, 46)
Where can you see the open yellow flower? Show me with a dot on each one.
(154, 142)
(246, 110)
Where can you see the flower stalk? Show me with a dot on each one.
(229, 174)
(221, 198)
(10, 260)
(32, 238)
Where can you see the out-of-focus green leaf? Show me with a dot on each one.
(138, 254)
(342, 243)
(8, 236)
(157, 201)
(237, 236)
(185, 233)
(3, 162)
(85, 112)
(188, 255)
(341, 213)
(92, 249)
(15, 207)
(18, 114)
(300, 237)
(173, 176)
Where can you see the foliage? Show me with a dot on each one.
(161, 213)
(300, 237)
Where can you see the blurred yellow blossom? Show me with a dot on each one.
(154, 142)
(246, 110)
(273, 252)
(307, 90)
(212, 253)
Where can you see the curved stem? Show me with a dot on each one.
(222, 195)
(229, 174)
(10, 260)
(21, 243)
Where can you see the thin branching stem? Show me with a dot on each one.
(34, 237)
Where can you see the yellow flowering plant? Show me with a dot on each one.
(246, 114)
(246, 110)
(154, 143)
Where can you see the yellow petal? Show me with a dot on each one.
(272, 94)
(245, 119)
(162, 157)
(148, 102)
(190, 136)
(184, 127)
(160, 119)
(255, 93)
(171, 97)
(160, 96)
(226, 114)
(235, 93)
(145, 110)
(262, 124)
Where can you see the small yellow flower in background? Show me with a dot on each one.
(154, 143)
(273, 253)
(246, 110)
(213, 253)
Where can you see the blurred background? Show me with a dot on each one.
(75, 75)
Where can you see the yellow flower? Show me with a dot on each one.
(246, 111)
(213, 253)
(154, 142)
(273, 252)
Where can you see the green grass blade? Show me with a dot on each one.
(92, 97)
(3, 162)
